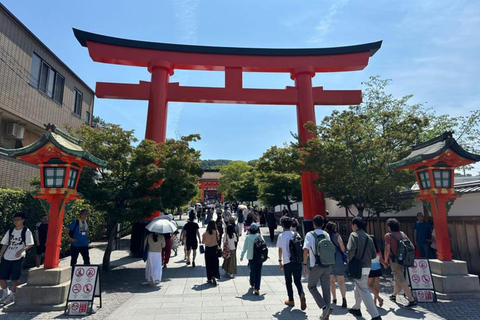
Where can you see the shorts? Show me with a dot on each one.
(192, 245)
(10, 270)
(40, 249)
(397, 271)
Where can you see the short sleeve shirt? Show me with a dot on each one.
(80, 233)
(424, 230)
(16, 244)
(310, 244)
(41, 229)
(283, 242)
(191, 231)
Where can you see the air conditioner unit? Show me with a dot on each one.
(15, 130)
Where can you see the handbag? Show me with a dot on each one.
(219, 251)
(145, 252)
(344, 255)
(226, 253)
(202, 248)
(354, 267)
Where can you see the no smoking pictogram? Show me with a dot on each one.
(80, 272)
(415, 278)
(90, 272)
(87, 288)
(76, 288)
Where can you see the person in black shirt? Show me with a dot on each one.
(189, 237)
(40, 235)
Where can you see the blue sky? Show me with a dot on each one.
(431, 49)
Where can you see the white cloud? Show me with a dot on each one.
(324, 26)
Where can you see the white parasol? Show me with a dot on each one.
(161, 226)
(242, 207)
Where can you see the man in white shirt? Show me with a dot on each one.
(289, 267)
(15, 243)
(315, 272)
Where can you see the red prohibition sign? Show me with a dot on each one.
(76, 288)
(426, 278)
(416, 278)
(423, 265)
(90, 272)
(87, 288)
(80, 272)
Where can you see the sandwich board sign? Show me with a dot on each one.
(421, 281)
(84, 288)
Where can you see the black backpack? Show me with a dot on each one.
(296, 248)
(24, 235)
(260, 250)
(405, 254)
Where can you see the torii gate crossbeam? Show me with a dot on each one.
(162, 59)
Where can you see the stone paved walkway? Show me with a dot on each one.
(184, 294)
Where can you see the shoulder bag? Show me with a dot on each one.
(354, 266)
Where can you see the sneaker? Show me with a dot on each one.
(355, 312)
(303, 302)
(188, 262)
(256, 292)
(393, 298)
(290, 303)
(10, 299)
(327, 311)
(411, 304)
(344, 303)
(5, 296)
(334, 301)
(214, 281)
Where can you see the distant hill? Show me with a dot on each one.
(218, 164)
(213, 164)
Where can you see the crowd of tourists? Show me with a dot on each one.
(323, 256)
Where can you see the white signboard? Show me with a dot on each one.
(84, 287)
(421, 281)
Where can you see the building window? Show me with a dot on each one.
(87, 117)
(46, 79)
(77, 102)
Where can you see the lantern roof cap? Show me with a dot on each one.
(433, 148)
(61, 140)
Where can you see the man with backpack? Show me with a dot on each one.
(290, 254)
(360, 247)
(77, 233)
(321, 251)
(257, 253)
(15, 244)
(399, 254)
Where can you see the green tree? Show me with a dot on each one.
(246, 189)
(279, 178)
(355, 146)
(127, 190)
(182, 169)
(231, 175)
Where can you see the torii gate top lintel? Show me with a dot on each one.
(190, 57)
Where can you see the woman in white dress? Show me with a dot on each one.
(153, 269)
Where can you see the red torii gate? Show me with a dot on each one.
(162, 59)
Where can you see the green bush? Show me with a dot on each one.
(14, 201)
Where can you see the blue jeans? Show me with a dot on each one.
(255, 274)
(293, 270)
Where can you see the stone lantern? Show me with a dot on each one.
(60, 159)
(434, 163)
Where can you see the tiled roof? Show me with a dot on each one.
(211, 175)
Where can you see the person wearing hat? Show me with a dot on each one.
(15, 243)
(255, 267)
(77, 233)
